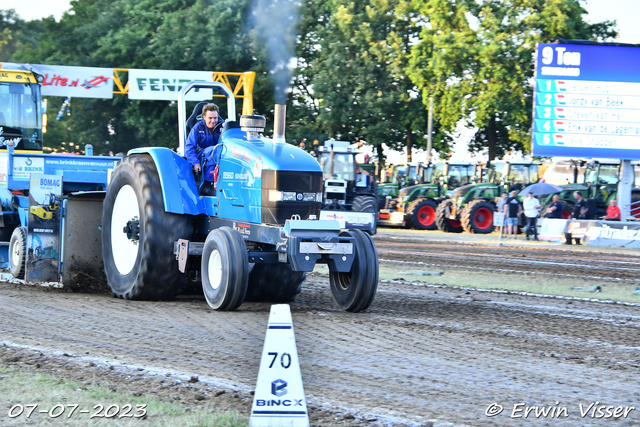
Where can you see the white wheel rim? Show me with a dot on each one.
(124, 251)
(215, 269)
(15, 254)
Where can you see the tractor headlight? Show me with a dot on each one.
(289, 196)
(292, 196)
(275, 196)
(310, 197)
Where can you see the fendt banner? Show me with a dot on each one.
(74, 82)
(587, 101)
(165, 85)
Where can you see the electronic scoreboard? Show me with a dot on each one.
(587, 101)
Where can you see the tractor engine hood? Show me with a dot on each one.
(406, 191)
(462, 191)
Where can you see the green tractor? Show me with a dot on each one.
(472, 206)
(416, 204)
(395, 177)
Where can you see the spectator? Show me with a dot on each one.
(500, 207)
(555, 209)
(531, 206)
(580, 209)
(613, 211)
(512, 210)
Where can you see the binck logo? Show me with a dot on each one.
(279, 388)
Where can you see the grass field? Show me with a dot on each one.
(549, 285)
(58, 397)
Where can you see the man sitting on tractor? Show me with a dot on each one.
(204, 136)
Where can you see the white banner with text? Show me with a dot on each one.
(164, 85)
(75, 82)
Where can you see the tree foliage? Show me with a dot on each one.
(352, 77)
(476, 58)
(365, 69)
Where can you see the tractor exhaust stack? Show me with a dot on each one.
(279, 117)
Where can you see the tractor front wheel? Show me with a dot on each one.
(423, 214)
(477, 217)
(355, 290)
(443, 220)
(225, 269)
(138, 235)
(17, 252)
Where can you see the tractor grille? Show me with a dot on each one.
(276, 212)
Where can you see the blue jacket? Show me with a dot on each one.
(200, 138)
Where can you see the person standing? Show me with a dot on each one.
(613, 211)
(580, 209)
(555, 210)
(512, 210)
(531, 205)
(500, 207)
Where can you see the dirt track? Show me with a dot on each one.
(418, 354)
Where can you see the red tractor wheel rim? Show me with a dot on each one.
(426, 215)
(483, 218)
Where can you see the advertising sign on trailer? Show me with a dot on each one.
(44, 227)
(587, 101)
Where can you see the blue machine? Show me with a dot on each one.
(253, 240)
(79, 174)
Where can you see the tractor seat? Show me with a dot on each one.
(195, 117)
(230, 125)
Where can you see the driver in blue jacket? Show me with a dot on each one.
(204, 136)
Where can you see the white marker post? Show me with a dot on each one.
(279, 397)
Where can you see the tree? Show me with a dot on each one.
(482, 73)
(16, 33)
(350, 74)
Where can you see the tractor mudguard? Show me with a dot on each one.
(179, 189)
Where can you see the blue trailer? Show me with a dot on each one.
(77, 209)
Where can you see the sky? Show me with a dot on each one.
(625, 12)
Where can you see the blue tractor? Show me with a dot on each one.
(252, 240)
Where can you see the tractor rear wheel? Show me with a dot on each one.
(18, 252)
(443, 221)
(355, 290)
(138, 235)
(367, 204)
(274, 283)
(423, 214)
(225, 269)
(477, 217)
